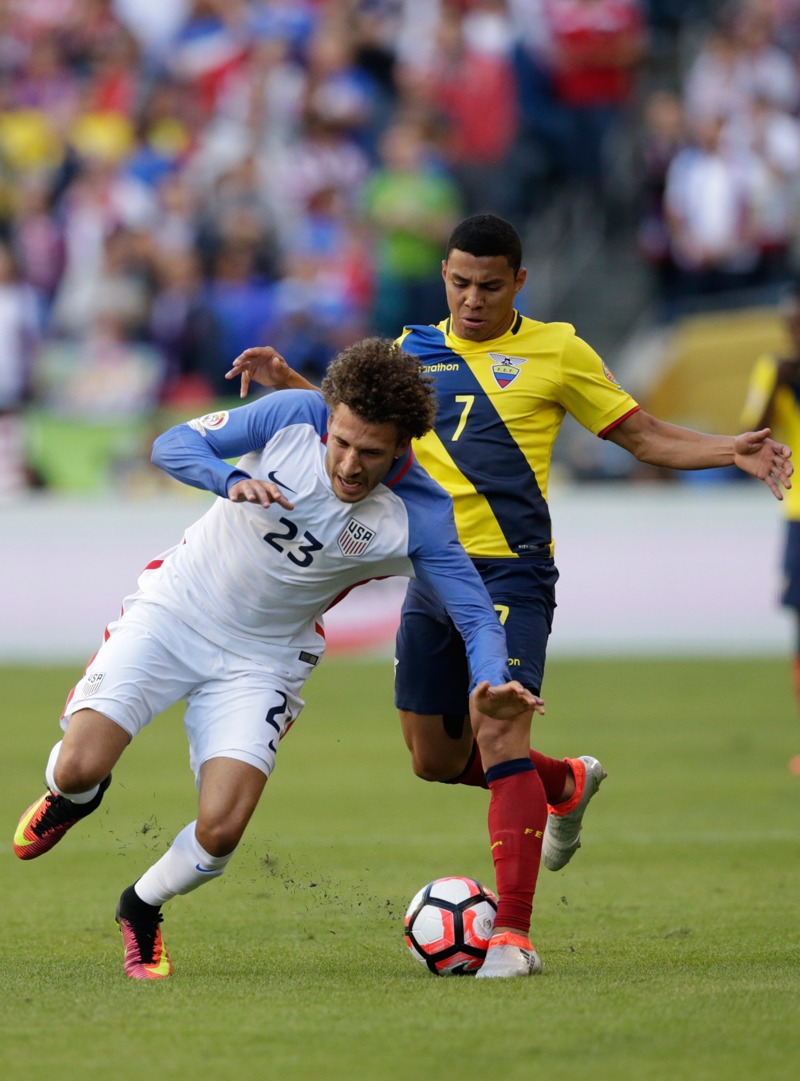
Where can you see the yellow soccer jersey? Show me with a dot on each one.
(501, 404)
(784, 416)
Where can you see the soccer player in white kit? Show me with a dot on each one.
(326, 495)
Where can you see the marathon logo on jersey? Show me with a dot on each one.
(355, 538)
(209, 423)
(505, 369)
(91, 684)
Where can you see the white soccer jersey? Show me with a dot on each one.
(255, 579)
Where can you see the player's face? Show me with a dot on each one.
(359, 454)
(481, 290)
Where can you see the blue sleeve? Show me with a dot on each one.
(195, 452)
(441, 563)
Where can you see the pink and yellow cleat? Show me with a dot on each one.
(146, 956)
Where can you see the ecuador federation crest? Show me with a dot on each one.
(505, 369)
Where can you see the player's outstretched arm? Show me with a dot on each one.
(263, 364)
(755, 453)
(658, 442)
(506, 700)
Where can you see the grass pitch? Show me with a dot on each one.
(671, 943)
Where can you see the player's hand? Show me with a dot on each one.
(258, 491)
(755, 453)
(506, 700)
(263, 364)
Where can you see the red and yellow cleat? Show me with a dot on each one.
(47, 820)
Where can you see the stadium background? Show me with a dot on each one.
(181, 179)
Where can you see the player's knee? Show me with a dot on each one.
(428, 770)
(431, 765)
(219, 838)
(77, 772)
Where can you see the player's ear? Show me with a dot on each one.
(401, 448)
(522, 274)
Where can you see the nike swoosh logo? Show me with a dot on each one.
(204, 870)
(274, 478)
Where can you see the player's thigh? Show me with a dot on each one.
(431, 669)
(149, 660)
(523, 595)
(241, 712)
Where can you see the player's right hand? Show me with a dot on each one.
(266, 366)
(505, 701)
(258, 491)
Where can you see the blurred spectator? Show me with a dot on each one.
(20, 332)
(100, 203)
(37, 240)
(769, 140)
(182, 325)
(663, 135)
(708, 213)
(411, 205)
(19, 341)
(597, 46)
(242, 305)
(469, 77)
(736, 64)
(324, 293)
(209, 45)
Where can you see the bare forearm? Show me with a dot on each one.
(658, 443)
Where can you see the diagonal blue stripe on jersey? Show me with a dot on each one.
(485, 451)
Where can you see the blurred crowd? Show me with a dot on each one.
(180, 179)
(720, 159)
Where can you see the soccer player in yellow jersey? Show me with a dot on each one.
(773, 398)
(504, 384)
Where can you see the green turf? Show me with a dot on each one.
(671, 944)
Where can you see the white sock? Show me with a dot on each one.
(183, 867)
(73, 797)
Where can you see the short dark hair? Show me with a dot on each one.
(486, 234)
(382, 384)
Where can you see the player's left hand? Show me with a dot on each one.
(755, 453)
(263, 364)
(505, 700)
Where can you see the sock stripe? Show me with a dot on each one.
(508, 769)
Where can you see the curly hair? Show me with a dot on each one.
(382, 385)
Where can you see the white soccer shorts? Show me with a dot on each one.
(235, 708)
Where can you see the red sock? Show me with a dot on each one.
(552, 771)
(517, 817)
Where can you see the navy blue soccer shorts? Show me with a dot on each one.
(431, 669)
(790, 595)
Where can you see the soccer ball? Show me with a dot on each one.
(449, 923)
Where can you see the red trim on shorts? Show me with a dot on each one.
(625, 416)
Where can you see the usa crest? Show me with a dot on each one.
(91, 684)
(355, 538)
(505, 369)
